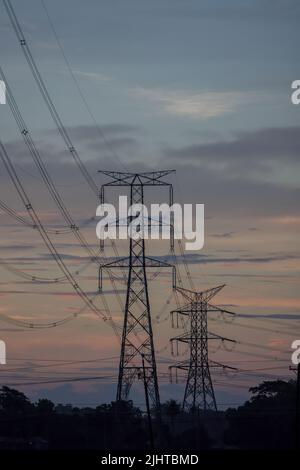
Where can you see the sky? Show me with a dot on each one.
(203, 87)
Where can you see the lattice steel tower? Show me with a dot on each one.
(199, 392)
(137, 338)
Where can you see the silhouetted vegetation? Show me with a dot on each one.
(267, 420)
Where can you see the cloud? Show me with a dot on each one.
(98, 148)
(277, 342)
(274, 316)
(196, 258)
(259, 148)
(268, 10)
(16, 247)
(254, 170)
(11, 330)
(202, 105)
(92, 75)
(226, 189)
(109, 137)
(224, 235)
(85, 132)
(286, 220)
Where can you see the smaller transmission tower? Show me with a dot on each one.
(199, 392)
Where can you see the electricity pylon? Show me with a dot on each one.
(199, 392)
(137, 338)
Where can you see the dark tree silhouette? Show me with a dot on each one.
(267, 420)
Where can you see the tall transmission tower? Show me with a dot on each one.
(199, 393)
(137, 338)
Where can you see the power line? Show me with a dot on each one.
(37, 278)
(56, 256)
(12, 213)
(52, 109)
(79, 89)
(40, 326)
(50, 184)
(48, 101)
